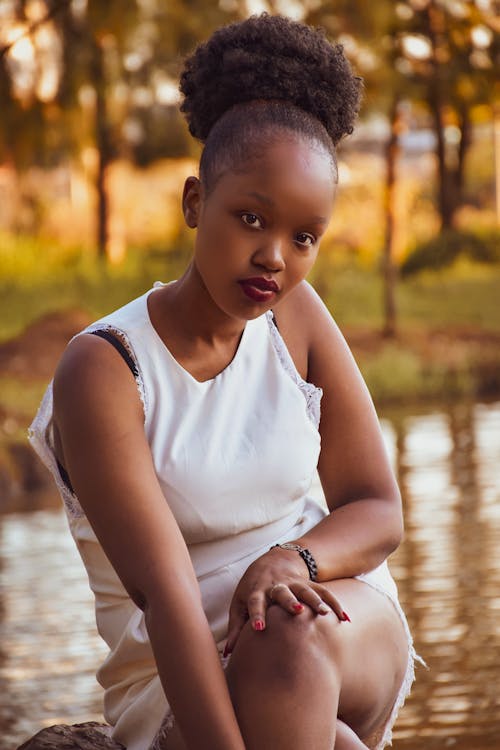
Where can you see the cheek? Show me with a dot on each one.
(306, 263)
(213, 233)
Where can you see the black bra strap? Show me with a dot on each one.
(64, 476)
(120, 348)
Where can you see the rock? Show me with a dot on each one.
(88, 736)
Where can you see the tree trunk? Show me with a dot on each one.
(436, 100)
(446, 202)
(392, 150)
(465, 142)
(103, 146)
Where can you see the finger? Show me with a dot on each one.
(282, 595)
(321, 601)
(333, 603)
(312, 599)
(256, 606)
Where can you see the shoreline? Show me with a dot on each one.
(420, 365)
(419, 369)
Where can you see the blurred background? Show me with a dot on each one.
(93, 154)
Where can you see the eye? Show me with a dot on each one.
(251, 220)
(305, 239)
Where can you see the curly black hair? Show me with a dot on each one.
(298, 79)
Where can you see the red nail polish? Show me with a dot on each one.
(226, 651)
(258, 625)
(298, 607)
(345, 616)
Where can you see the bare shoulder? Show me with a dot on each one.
(88, 359)
(91, 372)
(312, 336)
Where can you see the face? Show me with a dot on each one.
(259, 229)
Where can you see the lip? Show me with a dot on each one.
(259, 289)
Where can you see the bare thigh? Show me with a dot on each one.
(371, 653)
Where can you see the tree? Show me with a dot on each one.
(448, 51)
(439, 53)
(117, 46)
(367, 33)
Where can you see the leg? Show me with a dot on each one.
(289, 682)
(346, 739)
(282, 686)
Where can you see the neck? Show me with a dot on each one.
(196, 314)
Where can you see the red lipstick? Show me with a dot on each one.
(259, 289)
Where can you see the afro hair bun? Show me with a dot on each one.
(270, 57)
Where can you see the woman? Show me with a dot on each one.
(184, 437)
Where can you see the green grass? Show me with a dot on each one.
(465, 295)
(36, 278)
(397, 375)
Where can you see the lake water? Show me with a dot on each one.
(447, 569)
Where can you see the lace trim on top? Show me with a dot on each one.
(41, 437)
(311, 392)
(122, 336)
(41, 432)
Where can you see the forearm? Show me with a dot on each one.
(354, 538)
(191, 674)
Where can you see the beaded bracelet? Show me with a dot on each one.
(305, 555)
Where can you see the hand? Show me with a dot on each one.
(278, 577)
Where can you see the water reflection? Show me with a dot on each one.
(448, 572)
(50, 651)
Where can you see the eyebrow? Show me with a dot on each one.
(269, 202)
(261, 198)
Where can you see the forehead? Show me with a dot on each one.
(285, 169)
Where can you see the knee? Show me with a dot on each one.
(303, 633)
(290, 648)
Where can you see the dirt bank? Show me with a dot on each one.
(416, 366)
(33, 355)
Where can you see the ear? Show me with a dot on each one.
(191, 201)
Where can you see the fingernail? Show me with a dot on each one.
(345, 616)
(258, 625)
(226, 651)
(298, 607)
(324, 608)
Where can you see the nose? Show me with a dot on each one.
(270, 255)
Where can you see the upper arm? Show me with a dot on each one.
(99, 419)
(353, 462)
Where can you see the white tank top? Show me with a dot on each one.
(235, 457)
(232, 453)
